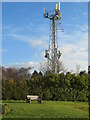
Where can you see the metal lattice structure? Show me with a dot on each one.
(53, 54)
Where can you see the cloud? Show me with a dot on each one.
(74, 48)
(73, 45)
(38, 39)
(85, 13)
(83, 27)
(3, 50)
(33, 65)
(39, 42)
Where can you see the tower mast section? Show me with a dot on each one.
(53, 54)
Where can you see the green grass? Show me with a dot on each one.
(49, 109)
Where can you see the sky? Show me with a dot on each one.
(45, 0)
(25, 33)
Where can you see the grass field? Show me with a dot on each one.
(48, 109)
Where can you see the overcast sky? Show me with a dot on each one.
(25, 33)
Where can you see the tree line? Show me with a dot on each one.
(17, 83)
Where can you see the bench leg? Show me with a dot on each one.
(27, 101)
(40, 101)
(30, 101)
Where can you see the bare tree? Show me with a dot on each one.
(45, 67)
(77, 68)
(61, 67)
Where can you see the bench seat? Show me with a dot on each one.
(33, 97)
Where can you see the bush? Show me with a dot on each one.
(64, 87)
(6, 109)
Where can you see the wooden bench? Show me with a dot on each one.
(32, 97)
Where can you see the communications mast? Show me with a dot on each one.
(53, 54)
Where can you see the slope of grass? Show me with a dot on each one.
(49, 109)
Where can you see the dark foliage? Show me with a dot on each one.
(17, 83)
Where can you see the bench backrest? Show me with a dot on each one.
(32, 97)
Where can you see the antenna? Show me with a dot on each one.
(44, 11)
(60, 15)
(59, 6)
(53, 54)
(56, 6)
